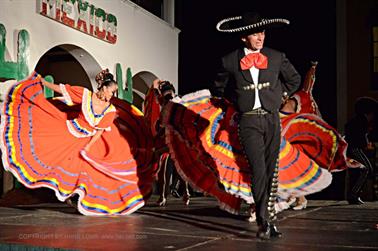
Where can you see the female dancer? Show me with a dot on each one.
(157, 97)
(96, 147)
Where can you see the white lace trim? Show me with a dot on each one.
(87, 110)
(205, 93)
(77, 134)
(66, 96)
(101, 168)
(85, 107)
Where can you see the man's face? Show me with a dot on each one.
(254, 41)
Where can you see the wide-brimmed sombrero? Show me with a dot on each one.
(249, 22)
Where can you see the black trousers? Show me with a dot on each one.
(260, 138)
(359, 176)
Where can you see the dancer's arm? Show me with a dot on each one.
(52, 86)
(156, 83)
(93, 140)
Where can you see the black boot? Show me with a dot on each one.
(274, 233)
(263, 232)
(354, 200)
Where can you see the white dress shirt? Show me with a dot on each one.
(255, 77)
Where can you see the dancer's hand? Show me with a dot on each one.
(86, 148)
(156, 83)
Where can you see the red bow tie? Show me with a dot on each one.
(254, 59)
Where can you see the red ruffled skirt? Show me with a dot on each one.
(202, 135)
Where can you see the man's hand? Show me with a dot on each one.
(285, 98)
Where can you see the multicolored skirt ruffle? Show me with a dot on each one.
(115, 178)
(202, 135)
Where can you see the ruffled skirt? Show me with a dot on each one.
(114, 178)
(202, 135)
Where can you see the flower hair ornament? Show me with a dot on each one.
(104, 77)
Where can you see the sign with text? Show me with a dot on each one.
(82, 16)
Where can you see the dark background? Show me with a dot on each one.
(311, 36)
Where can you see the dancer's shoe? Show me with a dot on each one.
(301, 205)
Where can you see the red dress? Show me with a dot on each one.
(42, 147)
(202, 135)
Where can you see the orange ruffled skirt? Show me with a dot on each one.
(115, 178)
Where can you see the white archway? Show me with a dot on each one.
(142, 81)
(68, 63)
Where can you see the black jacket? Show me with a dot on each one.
(280, 74)
(356, 132)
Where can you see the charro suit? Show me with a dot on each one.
(259, 133)
(280, 74)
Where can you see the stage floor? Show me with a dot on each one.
(323, 225)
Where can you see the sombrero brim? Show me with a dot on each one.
(234, 24)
